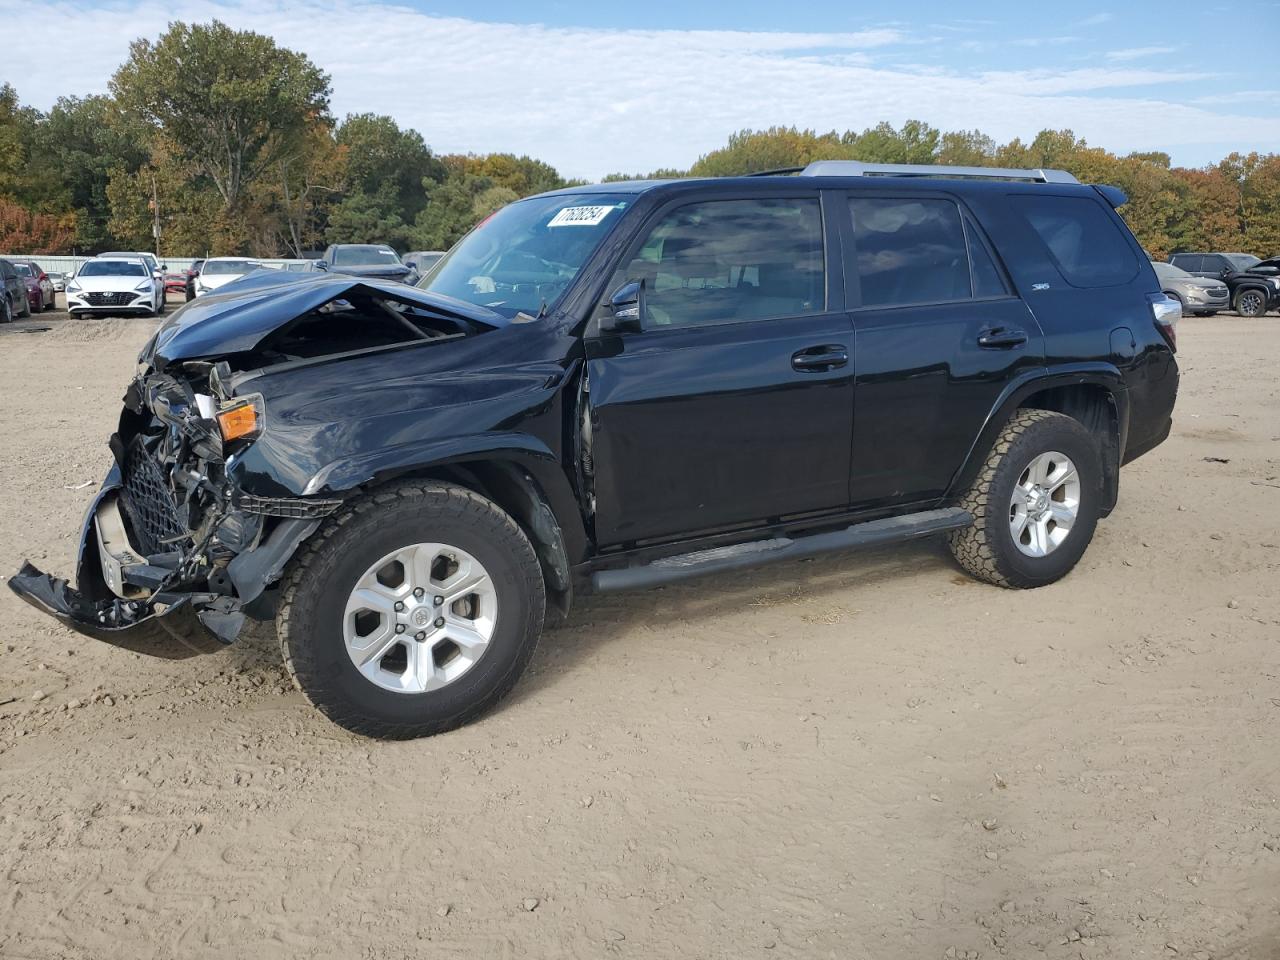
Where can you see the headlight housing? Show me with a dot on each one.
(144, 286)
(72, 287)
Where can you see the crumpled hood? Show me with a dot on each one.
(243, 313)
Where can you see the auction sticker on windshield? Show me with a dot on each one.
(580, 216)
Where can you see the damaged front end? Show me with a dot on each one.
(173, 548)
(169, 543)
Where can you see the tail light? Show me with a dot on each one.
(1166, 312)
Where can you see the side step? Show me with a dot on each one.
(759, 552)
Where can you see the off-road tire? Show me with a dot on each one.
(319, 579)
(986, 549)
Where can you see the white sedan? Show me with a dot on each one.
(115, 285)
(219, 271)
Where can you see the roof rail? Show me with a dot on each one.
(856, 168)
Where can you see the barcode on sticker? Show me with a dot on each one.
(579, 216)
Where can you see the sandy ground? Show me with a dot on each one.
(867, 756)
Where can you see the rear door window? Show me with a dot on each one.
(910, 251)
(1188, 262)
(1083, 239)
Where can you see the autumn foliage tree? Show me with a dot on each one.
(28, 232)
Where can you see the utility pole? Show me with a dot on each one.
(155, 214)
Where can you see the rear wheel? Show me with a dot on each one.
(1035, 502)
(6, 310)
(26, 307)
(411, 612)
(1251, 303)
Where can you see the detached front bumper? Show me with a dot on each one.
(123, 599)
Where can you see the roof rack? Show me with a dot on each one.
(856, 168)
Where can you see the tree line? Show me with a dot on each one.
(222, 141)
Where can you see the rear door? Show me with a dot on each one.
(938, 334)
(733, 405)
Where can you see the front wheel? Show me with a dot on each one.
(1251, 303)
(412, 611)
(6, 311)
(1035, 502)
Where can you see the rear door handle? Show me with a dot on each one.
(1002, 338)
(829, 356)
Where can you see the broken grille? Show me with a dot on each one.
(149, 503)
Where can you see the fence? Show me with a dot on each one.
(171, 264)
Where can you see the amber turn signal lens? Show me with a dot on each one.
(241, 421)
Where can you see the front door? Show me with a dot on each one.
(733, 404)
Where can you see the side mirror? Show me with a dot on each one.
(625, 309)
(321, 265)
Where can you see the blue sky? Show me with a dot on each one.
(595, 88)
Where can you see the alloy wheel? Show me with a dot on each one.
(420, 617)
(1044, 504)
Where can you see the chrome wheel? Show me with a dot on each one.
(420, 617)
(1044, 505)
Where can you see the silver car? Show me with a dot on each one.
(1198, 295)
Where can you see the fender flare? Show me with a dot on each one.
(1104, 375)
(520, 452)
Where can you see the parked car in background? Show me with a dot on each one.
(115, 286)
(14, 301)
(59, 281)
(175, 282)
(375, 260)
(422, 260)
(39, 286)
(1199, 295)
(155, 266)
(1254, 284)
(192, 272)
(616, 387)
(219, 271)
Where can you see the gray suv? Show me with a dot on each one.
(1198, 295)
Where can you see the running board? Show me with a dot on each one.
(759, 552)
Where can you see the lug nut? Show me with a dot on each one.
(420, 636)
(419, 593)
(399, 628)
(439, 622)
(438, 601)
(399, 606)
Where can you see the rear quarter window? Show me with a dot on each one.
(1086, 243)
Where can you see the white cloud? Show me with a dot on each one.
(1137, 53)
(591, 101)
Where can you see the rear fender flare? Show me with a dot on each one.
(1104, 375)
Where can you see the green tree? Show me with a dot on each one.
(230, 102)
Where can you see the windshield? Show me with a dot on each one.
(524, 257)
(228, 266)
(1242, 261)
(24, 269)
(113, 268)
(1167, 271)
(351, 256)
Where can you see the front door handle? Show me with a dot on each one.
(1002, 338)
(829, 356)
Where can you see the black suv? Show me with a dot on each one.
(1254, 283)
(616, 387)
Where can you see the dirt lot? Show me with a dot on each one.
(867, 756)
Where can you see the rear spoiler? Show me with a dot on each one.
(1113, 195)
